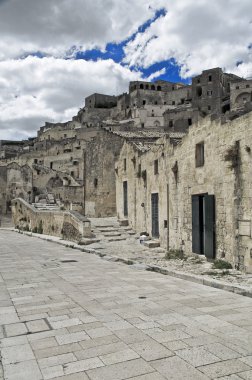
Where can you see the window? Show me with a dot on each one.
(209, 78)
(147, 87)
(124, 164)
(35, 160)
(173, 88)
(247, 85)
(182, 101)
(153, 87)
(156, 167)
(144, 102)
(65, 136)
(156, 102)
(159, 88)
(209, 108)
(199, 155)
(95, 182)
(51, 165)
(198, 80)
(165, 103)
(189, 121)
(170, 123)
(142, 125)
(199, 91)
(173, 103)
(237, 87)
(209, 93)
(141, 86)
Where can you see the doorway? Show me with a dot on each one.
(155, 215)
(203, 225)
(125, 198)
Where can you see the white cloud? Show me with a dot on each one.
(156, 74)
(198, 34)
(55, 26)
(35, 90)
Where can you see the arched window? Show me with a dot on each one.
(153, 87)
(147, 87)
(141, 86)
(159, 88)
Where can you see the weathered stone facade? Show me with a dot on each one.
(224, 173)
(72, 164)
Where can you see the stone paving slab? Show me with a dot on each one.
(94, 319)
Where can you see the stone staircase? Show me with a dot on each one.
(46, 206)
(109, 230)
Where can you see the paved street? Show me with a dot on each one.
(69, 315)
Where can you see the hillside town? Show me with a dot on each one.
(170, 160)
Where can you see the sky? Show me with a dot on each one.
(54, 53)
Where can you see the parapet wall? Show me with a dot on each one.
(69, 225)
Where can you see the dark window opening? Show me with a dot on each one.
(182, 101)
(159, 88)
(95, 182)
(209, 108)
(164, 103)
(199, 91)
(247, 85)
(209, 78)
(35, 160)
(209, 93)
(51, 165)
(147, 87)
(155, 102)
(72, 174)
(226, 108)
(198, 80)
(142, 125)
(170, 123)
(237, 87)
(124, 164)
(153, 87)
(173, 88)
(199, 155)
(173, 103)
(189, 121)
(144, 102)
(156, 167)
(141, 86)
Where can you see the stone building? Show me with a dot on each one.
(192, 193)
(73, 163)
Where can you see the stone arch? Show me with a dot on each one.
(159, 88)
(153, 87)
(141, 86)
(242, 98)
(54, 182)
(156, 123)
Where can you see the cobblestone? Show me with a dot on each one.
(93, 319)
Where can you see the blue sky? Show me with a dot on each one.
(54, 53)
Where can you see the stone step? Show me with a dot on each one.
(108, 229)
(110, 234)
(123, 222)
(106, 226)
(86, 241)
(117, 239)
(151, 243)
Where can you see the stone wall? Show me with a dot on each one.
(70, 226)
(226, 174)
(3, 181)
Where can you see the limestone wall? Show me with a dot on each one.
(70, 226)
(226, 174)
